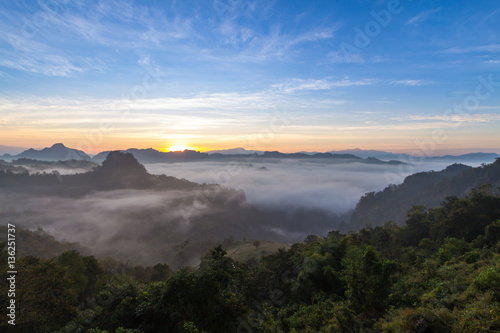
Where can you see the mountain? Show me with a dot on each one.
(383, 155)
(154, 156)
(427, 189)
(118, 171)
(58, 152)
(365, 154)
(472, 157)
(235, 151)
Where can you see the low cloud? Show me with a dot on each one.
(291, 184)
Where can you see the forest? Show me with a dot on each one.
(440, 272)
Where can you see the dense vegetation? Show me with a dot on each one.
(439, 273)
(426, 189)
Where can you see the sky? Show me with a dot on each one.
(415, 76)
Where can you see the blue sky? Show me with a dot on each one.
(269, 75)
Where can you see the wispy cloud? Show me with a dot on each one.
(411, 83)
(294, 85)
(422, 16)
(347, 57)
(278, 45)
(51, 65)
(492, 62)
(465, 118)
(491, 48)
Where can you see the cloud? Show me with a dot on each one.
(411, 83)
(491, 48)
(492, 62)
(292, 184)
(294, 85)
(422, 16)
(465, 118)
(47, 64)
(344, 57)
(140, 226)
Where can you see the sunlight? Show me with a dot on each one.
(179, 148)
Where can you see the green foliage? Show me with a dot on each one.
(452, 249)
(418, 320)
(161, 272)
(44, 296)
(368, 279)
(75, 268)
(325, 316)
(488, 281)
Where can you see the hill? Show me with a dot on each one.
(426, 189)
(478, 157)
(154, 156)
(58, 152)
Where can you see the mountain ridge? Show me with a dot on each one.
(426, 189)
(59, 152)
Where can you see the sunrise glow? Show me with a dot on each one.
(179, 147)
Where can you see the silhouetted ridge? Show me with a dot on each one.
(122, 170)
(427, 189)
(154, 156)
(118, 171)
(119, 163)
(58, 152)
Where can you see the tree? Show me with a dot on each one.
(161, 272)
(75, 270)
(368, 279)
(44, 294)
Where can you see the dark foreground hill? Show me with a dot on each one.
(427, 189)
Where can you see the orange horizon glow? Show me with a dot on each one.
(285, 146)
(179, 147)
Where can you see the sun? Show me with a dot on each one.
(179, 148)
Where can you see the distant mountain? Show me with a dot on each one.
(235, 151)
(472, 157)
(154, 156)
(383, 155)
(427, 189)
(34, 166)
(57, 152)
(118, 171)
(366, 154)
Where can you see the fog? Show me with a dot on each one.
(290, 184)
(134, 225)
(279, 200)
